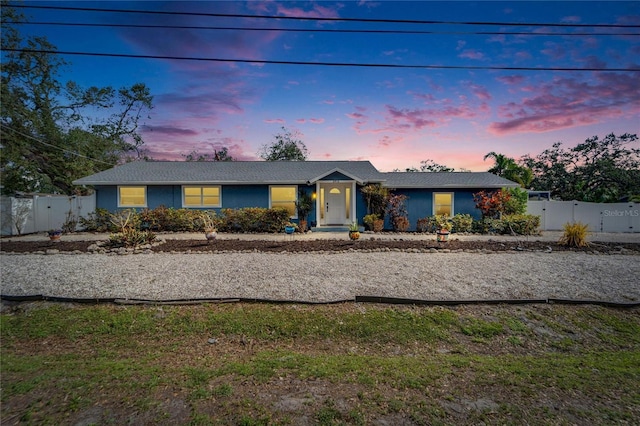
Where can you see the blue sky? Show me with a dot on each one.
(394, 117)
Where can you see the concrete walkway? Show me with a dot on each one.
(550, 236)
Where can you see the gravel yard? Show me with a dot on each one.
(326, 277)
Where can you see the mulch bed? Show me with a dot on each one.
(366, 243)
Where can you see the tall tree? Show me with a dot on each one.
(428, 166)
(218, 155)
(286, 147)
(598, 170)
(50, 133)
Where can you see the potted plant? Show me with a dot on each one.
(303, 206)
(210, 231)
(54, 234)
(354, 231)
(290, 228)
(443, 228)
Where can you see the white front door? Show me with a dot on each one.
(335, 205)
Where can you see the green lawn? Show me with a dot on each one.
(252, 364)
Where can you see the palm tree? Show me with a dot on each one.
(502, 163)
(507, 168)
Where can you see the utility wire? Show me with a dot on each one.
(329, 64)
(305, 18)
(77, 154)
(317, 30)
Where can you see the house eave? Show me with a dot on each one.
(452, 186)
(190, 182)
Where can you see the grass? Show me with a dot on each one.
(338, 364)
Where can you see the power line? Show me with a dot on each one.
(77, 154)
(329, 64)
(317, 30)
(305, 18)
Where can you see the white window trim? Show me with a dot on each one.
(433, 207)
(120, 205)
(202, 205)
(295, 215)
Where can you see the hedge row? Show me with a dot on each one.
(162, 219)
(520, 224)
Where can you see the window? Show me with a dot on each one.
(284, 196)
(201, 196)
(443, 203)
(132, 196)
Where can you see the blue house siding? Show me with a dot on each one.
(241, 196)
(107, 197)
(419, 204)
(463, 203)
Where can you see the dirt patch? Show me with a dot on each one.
(371, 244)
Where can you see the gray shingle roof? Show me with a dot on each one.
(281, 172)
(446, 180)
(232, 172)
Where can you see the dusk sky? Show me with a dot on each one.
(393, 116)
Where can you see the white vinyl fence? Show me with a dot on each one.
(601, 217)
(39, 213)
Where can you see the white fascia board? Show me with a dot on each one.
(339, 170)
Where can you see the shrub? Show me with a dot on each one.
(521, 224)
(130, 237)
(98, 221)
(400, 224)
(398, 212)
(253, 219)
(491, 204)
(516, 203)
(426, 224)
(462, 222)
(373, 222)
(368, 221)
(575, 235)
(274, 219)
(180, 220)
(443, 223)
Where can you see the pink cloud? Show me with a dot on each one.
(554, 51)
(471, 54)
(317, 11)
(481, 92)
(404, 119)
(511, 79)
(570, 102)
(274, 121)
(316, 120)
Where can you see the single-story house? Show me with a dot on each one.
(335, 186)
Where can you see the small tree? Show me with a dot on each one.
(376, 198)
(517, 202)
(304, 205)
(398, 212)
(287, 147)
(491, 204)
(20, 212)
